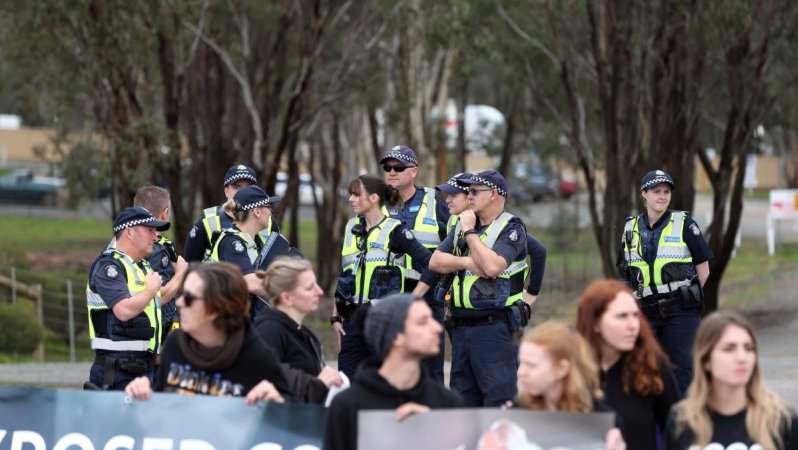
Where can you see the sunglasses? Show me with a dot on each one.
(398, 169)
(474, 191)
(188, 298)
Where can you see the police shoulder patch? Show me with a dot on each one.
(695, 230)
(513, 235)
(238, 246)
(111, 271)
(193, 232)
(165, 261)
(409, 235)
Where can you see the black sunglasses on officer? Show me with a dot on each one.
(398, 168)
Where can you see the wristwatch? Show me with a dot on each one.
(471, 231)
(334, 319)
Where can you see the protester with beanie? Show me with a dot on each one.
(401, 332)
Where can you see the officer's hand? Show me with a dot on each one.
(473, 267)
(140, 388)
(529, 298)
(468, 219)
(338, 327)
(613, 440)
(330, 377)
(408, 409)
(153, 281)
(181, 265)
(264, 391)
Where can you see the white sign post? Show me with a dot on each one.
(783, 206)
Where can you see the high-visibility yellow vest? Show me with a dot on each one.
(251, 247)
(212, 222)
(671, 249)
(135, 276)
(376, 253)
(425, 229)
(510, 279)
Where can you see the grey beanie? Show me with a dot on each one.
(385, 319)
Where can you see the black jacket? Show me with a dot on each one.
(298, 351)
(371, 391)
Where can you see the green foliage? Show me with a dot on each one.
(21, 333)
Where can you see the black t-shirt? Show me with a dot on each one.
(255, 362)
(537, 264)
(639, 416)
(728, 433)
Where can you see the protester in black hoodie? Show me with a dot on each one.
(401, 332)
(291, 285)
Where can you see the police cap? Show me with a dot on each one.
(654, 178)
(135, 216)
(239, 172)
(401, 153)
(489, 178)
(250, 197)
(454, 185)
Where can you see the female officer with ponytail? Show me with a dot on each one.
(372, 265)
(251, 209)
(665, 261)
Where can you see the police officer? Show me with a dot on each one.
(124, 297)
(372, 264)
(426, 216)
(456, 194)
(163, 258)
(203, 235)
(251, 208)
(665, 260)
(489, 263)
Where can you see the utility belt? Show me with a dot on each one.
(345, 310)
(516, 316)
(687, 296)
(138, 364)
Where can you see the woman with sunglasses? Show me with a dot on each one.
(636, 377)
(557, 372)
(292, 289)
(215, 351)
(728, 404)
(372, 263)
(251, 209)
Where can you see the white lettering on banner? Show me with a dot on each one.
(18, 438)
(120, 442)
(74, 439)
(195, 444)
(157, 444)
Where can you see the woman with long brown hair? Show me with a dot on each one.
(638, 382)
(728, 404)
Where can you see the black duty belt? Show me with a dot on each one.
(479, 320)
(659, 306)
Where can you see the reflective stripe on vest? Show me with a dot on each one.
(252, 248)
(516, 268)
(135, 277)
(671, 248)
(453, 221)
(377, 254)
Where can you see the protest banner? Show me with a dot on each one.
(469, 429)
(44, 419)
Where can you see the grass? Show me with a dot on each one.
(26, 234)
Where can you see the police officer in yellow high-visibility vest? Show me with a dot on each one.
(204, 234)
(426, 215)
(488, 259)
(124, 297)
(372, 264)
(665, 260)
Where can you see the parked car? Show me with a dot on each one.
(306, 188)
(533, 182)
(22, 186)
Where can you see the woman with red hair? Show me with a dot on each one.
(638, 382)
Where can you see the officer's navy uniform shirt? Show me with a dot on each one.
(407, 216)
(280, 247)
(109, 280)
(233, 249)
(510, 245)
(650, 236)
(198, 240)
(161, 260)
(537, 264)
